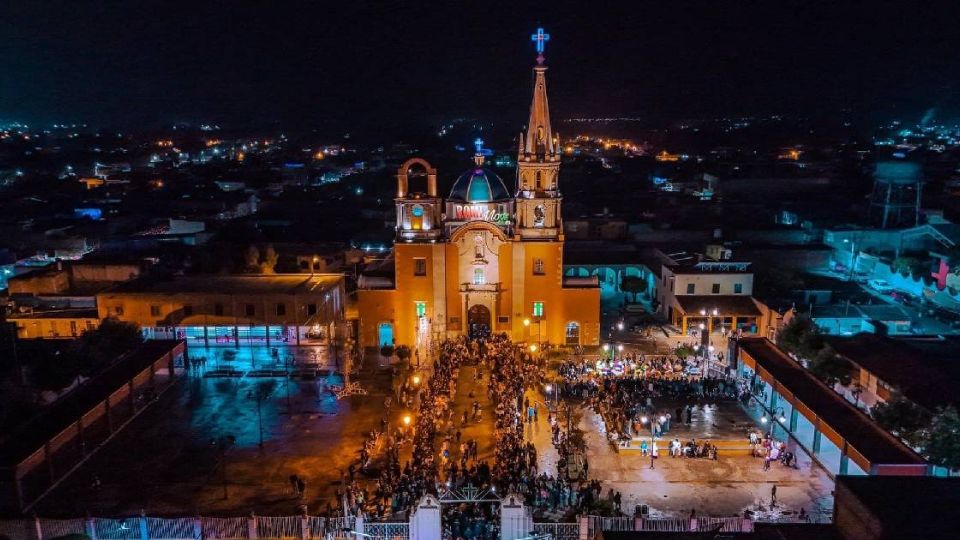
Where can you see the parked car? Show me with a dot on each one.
(904, 298)
(882, 286)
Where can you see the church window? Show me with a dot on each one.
(539, 182)
(479, 278)
(421, 308)
(538, 309)
(416, 217)
(420, 266)
(539, 215)
(538, 267)
(716, 288)
(691, 288)
(738, 288)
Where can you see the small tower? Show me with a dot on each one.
(418, 213)
(538, 163)
(897, 188)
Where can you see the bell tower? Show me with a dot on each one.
(418, 213)
(538, 163)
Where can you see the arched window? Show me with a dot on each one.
(416, 217)
(573, 333)
(539, 181)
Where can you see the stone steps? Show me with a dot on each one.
(725, 447)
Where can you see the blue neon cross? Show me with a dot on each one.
(478, 144)
(540, 38)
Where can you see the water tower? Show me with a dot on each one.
(895, 200)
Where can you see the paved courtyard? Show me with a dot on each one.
(165, 462)
(675, 486)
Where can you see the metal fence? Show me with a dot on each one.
(207, 528)
(558, 531)
(399, 530)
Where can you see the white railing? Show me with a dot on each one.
(399, 530)
(558, 531)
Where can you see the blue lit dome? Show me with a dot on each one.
(479, 185)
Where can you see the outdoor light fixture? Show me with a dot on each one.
(526, 322)
(620, 325)
(662, 419)
(644, 419)
(782, 419)
(620, 347)
(406, 419)
(606, 347)
(703, 312)
(763, 419)
(533, 348)
(548, 388)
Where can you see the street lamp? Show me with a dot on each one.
(222, 444)
(533, 347)
(548, 388)
(406, 420)
(620, 326)
(619, 347)
(416, 380)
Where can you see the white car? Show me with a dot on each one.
(880, 285)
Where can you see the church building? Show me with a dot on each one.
(485, 259)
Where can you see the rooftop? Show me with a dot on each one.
(233, 284)
(725, 304)
(924, 369)
(865, 437)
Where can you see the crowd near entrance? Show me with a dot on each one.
(478, 318)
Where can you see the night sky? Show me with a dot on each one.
(380, 65)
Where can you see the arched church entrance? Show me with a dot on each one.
(478, 320)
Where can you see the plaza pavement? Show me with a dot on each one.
(724, 487)
(164, 461)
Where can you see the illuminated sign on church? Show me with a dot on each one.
(476, 212)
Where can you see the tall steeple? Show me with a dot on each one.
(538, 163)
(539, 143)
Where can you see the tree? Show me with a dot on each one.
(903, 418)
(943, 440)
(107, 342)
(633, 285)
(683, 352)
(801, 336)
(55, 371)
(269, 260)
(831, 368)
(252, 259)
(403, 352)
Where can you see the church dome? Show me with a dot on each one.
(479, 185)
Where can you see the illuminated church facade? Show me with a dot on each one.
(484, 259)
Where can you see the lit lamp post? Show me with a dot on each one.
(526, 323)
(548, 388)
(647, 421)
(705, 348)
(779, 417)
(222, 444)
(853, 257)
(606, 349)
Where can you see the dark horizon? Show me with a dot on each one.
(383, 66)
